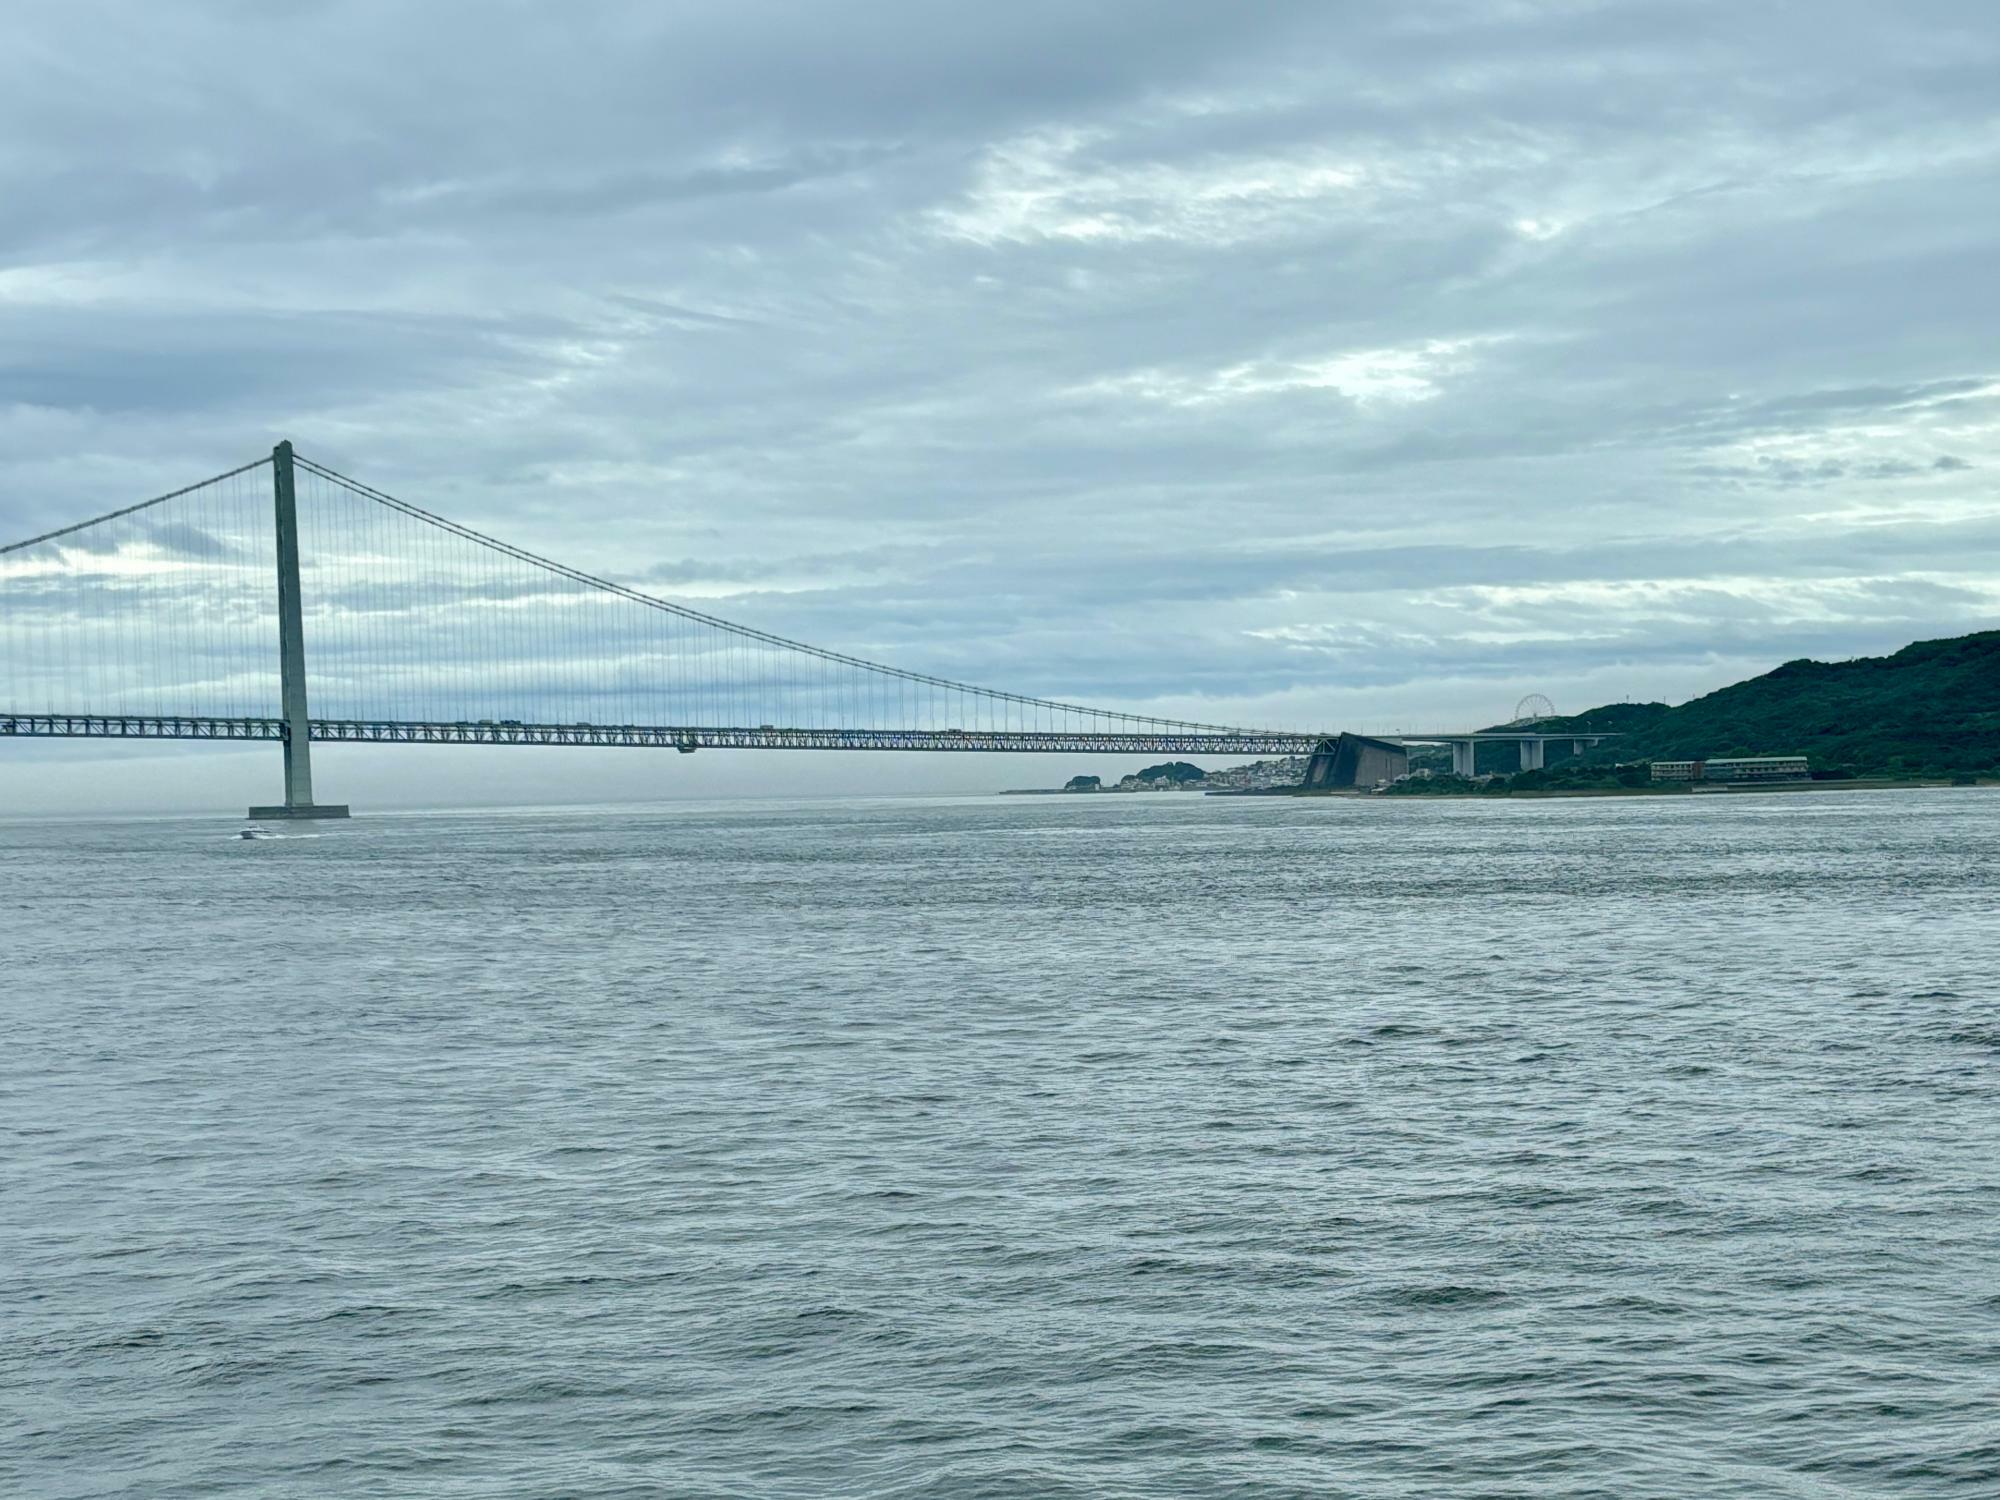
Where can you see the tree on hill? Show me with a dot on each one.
(1083, 783)
(1932, 708)
(1611, 718)
(1176, 771)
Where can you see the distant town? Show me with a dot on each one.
(1928, 715)
(1180, 776)
(1287, 776)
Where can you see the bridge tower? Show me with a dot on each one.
(298, 801)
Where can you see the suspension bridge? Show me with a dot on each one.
(189, 616)
(289, 603)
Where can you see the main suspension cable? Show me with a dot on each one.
(650, 601)
(112, 515)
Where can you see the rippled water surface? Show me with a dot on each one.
(1118, 1146)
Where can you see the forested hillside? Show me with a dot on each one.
(1932, 708)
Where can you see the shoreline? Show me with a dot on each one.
(1857, 784)
(1678, 789)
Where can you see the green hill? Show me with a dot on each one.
(1612, 718)
(1933, 708)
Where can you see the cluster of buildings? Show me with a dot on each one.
(1178, 776)
(1259, 775)
(1740, 768)
(1362, 763)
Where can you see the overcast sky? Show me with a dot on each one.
(1342, 364)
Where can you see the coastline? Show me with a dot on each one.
(1677, 789)
(1856, 784)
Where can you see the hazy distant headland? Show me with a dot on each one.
(1183, 776)
(1928, 713)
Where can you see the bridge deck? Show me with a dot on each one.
(1502, 736)
(684, 738)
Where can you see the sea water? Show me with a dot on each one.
(1062, 1146)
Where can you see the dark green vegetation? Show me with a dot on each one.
(1439, 786)
(1174, 771)
(1083, 784)
(1574, 776)
(1930, 710)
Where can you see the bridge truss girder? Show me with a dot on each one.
(685, 738)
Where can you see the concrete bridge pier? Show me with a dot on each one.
(1533, 754)
(1354, 760)
(1464, 758)
(298, 801)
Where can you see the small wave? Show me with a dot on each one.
(1451, 1294)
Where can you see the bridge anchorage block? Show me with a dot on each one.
(298, 813)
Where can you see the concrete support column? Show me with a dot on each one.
(1462, 757)
(291, 635)
(1533, 754)
(298, 801)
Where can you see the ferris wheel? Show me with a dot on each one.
(1534, 706)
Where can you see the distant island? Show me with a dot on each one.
(1184, 776)
(1928, 713)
